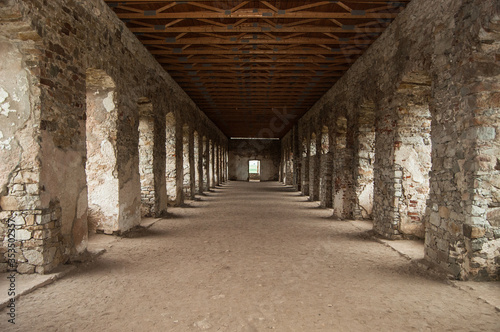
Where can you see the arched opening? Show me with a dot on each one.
(186, 168)
(365, 159)
(101, 166)
(412, 153)
(146, 156)
(170, 168)
(326, 166)
(340, 185)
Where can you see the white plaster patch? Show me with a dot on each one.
(5, 109)
(82, 245)
(3, 95)
(108, 102)
(5, 145)
(108, 152)
(409, 159)
(366, 200)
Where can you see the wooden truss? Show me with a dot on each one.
(240, 61)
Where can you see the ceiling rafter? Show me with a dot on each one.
(255, 15)
(239, 60)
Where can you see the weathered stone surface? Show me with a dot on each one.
(34, 257)
(72, 79)
(432, 94)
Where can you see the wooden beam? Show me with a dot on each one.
(247, 68)
(244, 61)
(244, 77)
(315, 51)
(161, 1)
(168, 1)
(217, 27)
(250, 41)
(259, 13)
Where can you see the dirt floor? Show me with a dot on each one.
(250, 257)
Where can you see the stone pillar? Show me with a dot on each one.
(159, 159)
(212, 164)
(315, 165)
(206, 164)
(463, 216)
(200, 163)
(296, 159)
(305, 162)
(146, 164)
(179, 164)
(364, 157)
(217, 164)
(192, 166)
(170, 159)
(29, 216)
(186, 166)
(326, 168)
(340, 183)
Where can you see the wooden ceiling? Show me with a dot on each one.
(247, 63)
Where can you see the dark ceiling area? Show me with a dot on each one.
(255, 67)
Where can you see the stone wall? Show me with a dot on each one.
(51, 51)
(431, 81)
(241, 151)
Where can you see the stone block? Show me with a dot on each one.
(19, 220)
(444, 212)
(25, 268)
(43, 219)
(33, 257)
(17, 187)
(10, 203)
(493, 217)
(485, 133)
(473, 232)
(22, 234)
(477, 244)
(30, 219)
(32, 189)
(30, 177)
(435, 219)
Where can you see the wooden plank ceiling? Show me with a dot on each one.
(243, 62)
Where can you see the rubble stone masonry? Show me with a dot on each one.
(432, 81)
(51, 54)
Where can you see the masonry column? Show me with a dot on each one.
(200, 163)
(297, 158)
(305, 161)
(179, 165)
(192, 166)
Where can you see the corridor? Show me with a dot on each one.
(250, 257)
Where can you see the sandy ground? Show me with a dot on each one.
(250, 257)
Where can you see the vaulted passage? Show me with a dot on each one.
(252, 256)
